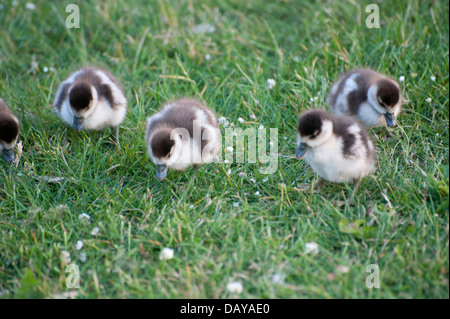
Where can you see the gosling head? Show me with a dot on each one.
(9, 133)
(314, 128)
(384, 96)
(165, 150)
(82, 99)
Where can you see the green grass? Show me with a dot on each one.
(304, 46)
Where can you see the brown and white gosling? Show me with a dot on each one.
(183, 133)
(338, 148)
(91, 99)
(9, 132)
(371, 97)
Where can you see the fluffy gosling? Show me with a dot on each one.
(91, 99)
(183, 133)
(338, 148)
(369, 96)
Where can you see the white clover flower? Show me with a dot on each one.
(45, 69)
(265, 179)
(257, 193)
(433, 78)
(342, 269)
(203, 28)
(230, 149)
(261, 127)
(428, 100)
(252, 116)
(79, 245)
(166, 254)
(235, 287)
(236, 204)
(191, 206)
(83, 257)
(271, 143)
(207, 57)
(241, 120)
(226, 161)
(84, 216)
(401, 78)
(311, 247)
(65, 257)
(223, 120)
(278, 278)
(271, 84)
(30, 6)
(95, 231)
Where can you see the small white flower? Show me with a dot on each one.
(265, 180)
(191, 206)
(271, 143)
(428, 100)
(30, 6)
(225, 161)
(433, 78)
(271, 84)
(257, 193)
(311, 248)
(223, 120)
(252, 180)
(229, 171)
(252, 116)
(316, 98)
(230, 149)
(45, 69)
(83, 257)
(236, 204)
(95, 231)
(235, 287)
(84, 216)
(401, 78)
(203, 28)
(241, 120)
(207, 57)
(166, 254)
(261, 127)
(65, 257)
(342, 269)
(79, 245)
(278, 278)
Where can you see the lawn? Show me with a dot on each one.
(226, 222)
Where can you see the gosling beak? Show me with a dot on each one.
(8, 154)
(77, 123)
(302, 149)
(390, 119)
(161, 172)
